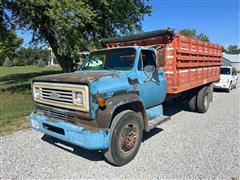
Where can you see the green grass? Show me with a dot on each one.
(15, 98)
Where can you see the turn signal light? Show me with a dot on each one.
(101, 102)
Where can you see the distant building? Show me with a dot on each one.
(231, 60)
(52, 61)
(81, 57)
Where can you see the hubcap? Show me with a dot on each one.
(128, 138)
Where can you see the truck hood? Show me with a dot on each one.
(225, 76)
(100, 82)
(75, 77)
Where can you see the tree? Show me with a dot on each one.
(233, 49)
(203, 37)
(41, 63)
(194, 34)
(71, 26)
(28, 56)
(9, 42)
(188, 32)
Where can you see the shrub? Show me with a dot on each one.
(41, 63)
(7, 63)
(17, 62)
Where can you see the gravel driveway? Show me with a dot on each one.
(190, 145)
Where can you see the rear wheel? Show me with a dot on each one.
(203, 100)
(192, 98)
(126, 137)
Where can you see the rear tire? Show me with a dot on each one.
(203, 100)
(125, 139)
(192, 101)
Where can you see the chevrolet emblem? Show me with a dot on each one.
(54, 95)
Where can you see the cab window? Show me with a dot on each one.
(147, 58)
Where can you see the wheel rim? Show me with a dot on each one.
(128, 138)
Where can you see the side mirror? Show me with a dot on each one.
(149, 68)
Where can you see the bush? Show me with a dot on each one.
(7, 63)
(41, 63)
(17, 62)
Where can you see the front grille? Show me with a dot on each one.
(61, 95)
(54, 95)
(54, 114)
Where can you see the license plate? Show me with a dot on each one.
(35, 124)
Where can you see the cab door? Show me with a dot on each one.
(152, 82)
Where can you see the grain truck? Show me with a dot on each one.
(118, 92)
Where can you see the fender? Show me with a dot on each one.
(105, 116)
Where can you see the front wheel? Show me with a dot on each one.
(236, 84)
(126, 137)
(230, 87)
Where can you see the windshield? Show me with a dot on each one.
(225, 71)
(112, 59)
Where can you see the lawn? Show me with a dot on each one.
(15, 98)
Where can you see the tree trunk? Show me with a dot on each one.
(66, 63)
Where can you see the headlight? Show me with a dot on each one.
(78, 98)
(225, 80)
(36, 93)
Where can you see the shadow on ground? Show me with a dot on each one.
(92, 155)
(171, 108)
(21, 82)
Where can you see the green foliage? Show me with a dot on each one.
(71, 26)
(41, 63)
(203, 37)
(17, 62)
(29, 56)
(232, 49)
(9, 42)
(7, 62)
(194, 34)
(188, 32)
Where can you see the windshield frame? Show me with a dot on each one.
(108, 49)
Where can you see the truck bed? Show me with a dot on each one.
(188, 62)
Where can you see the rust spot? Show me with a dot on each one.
(134, 83)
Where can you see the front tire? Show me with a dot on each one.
(125, 139)
(235, 84)
(230, 87)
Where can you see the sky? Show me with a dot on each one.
(219, 19)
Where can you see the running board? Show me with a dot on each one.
(157, 121)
